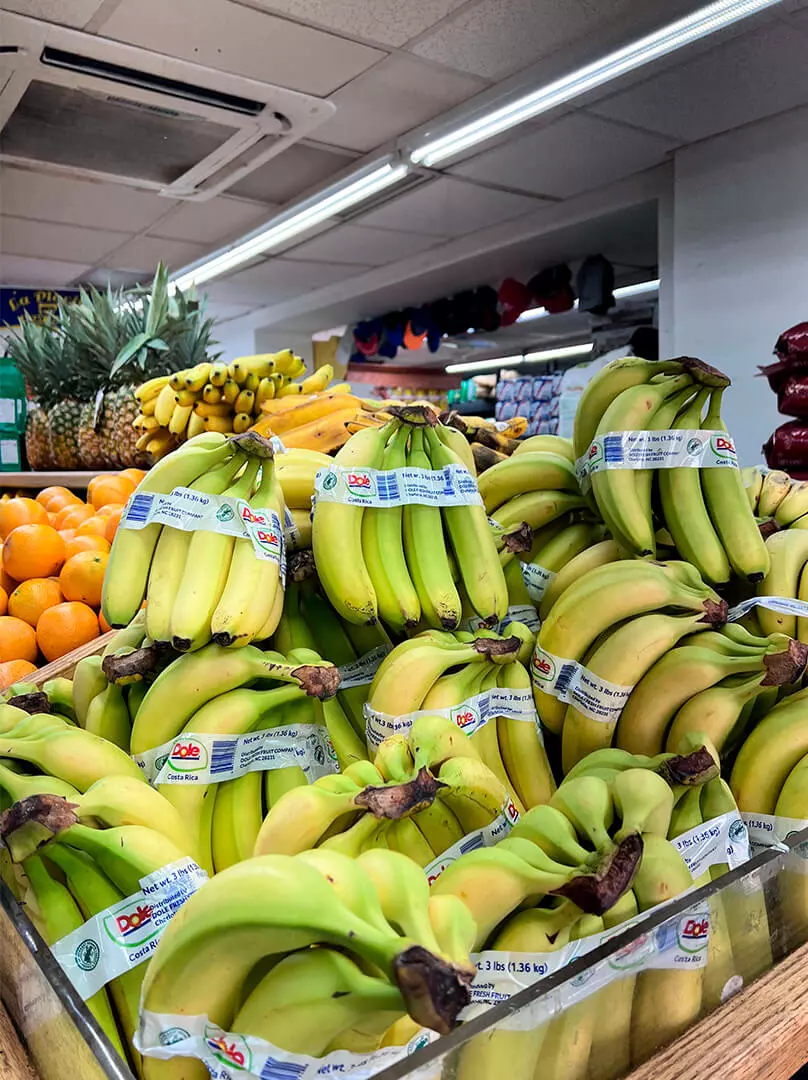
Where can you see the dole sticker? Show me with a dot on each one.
(723, 446)
(542, 666)
(694, 933)
(360, 482)
(187, 755)
(131, 924)
(231, 1050)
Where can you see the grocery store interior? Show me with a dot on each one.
(403, 454)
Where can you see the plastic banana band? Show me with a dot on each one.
(721, 841)
(771, 831)
(126, 934)
(360, 672)
(488, 836)
(689, 448)
(453, 485)
(523, 613)
(537, 580)
(571, 682)
(784, 605)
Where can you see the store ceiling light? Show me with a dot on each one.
(284, 227)
(619, 294)
(562, 353)
(699, 24)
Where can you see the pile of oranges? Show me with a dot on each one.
(54, 555)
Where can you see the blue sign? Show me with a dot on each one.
(37, 302)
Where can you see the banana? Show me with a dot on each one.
(180, 416)
(680, 675)
(171, 554)
(793, 506)
(315, 408)
(623, 658)
(164, 406)
(88, 681)
(403, 893)
(18, 786)
(406, 675)
(587, 802)
(55, 914)
(120, 800)
(520, 744)
(716, 712)
(132, 550)
(666, 1003)
(457, 442)
(71, 754)
(126, 853)
(383, 550)
(768, 755)
(486, 743)
(349, 746)
(551, 829)
(151, 388)
(788, 555)
(623, 496)
(791, 886)
(318, 381)
(193, 680)
(236, 821)
(684, 511)
(553, 444)
(94, 894)
(776, 485)
(297, 476)
(644, 802)
(301, 817)
(517, 475)
(230, 917)
(537, 508)
(230, 391)
(473, 793)
(600, 554)
(426, 552)
(555, 553)
(729, 508)
(248, 597)
(342, 568)
(332, 641)
(606, 596)
(196, 378)
(405, 838)
(439, 827)
(108, 717)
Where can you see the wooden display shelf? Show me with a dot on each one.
(762, 1034)
(39, 480)
(14, 1062)
(66, 665)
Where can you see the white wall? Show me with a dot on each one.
(234, 339)
(740, 260)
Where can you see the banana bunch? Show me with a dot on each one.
(214, 396)
(492, 442)
(773, 495)
(204, 585)
(705, 511)
(406, 564)
(596, 603)
(716, 684)
(788, 556)
(296, 470)
(613, 802)
(536, 486)
(319, 422)
(437, 670)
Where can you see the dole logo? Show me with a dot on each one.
(465, 717)
(187, 755)
(131, 925)
(358, 483)
(696, 929)
(723, 446)
(230, 1050)
(251, 517)
(542, 666)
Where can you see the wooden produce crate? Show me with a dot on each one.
(66, 665)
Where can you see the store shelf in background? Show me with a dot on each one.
(762, 1034)
(390, 375)
(39, 480)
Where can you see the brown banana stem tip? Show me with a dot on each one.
(33, 822)
(715, 612)
(133, 666)
(768, 528)
(435, 991)
(395, 801)
(31, 703)
(596, 893)
(300, 566)
(252, 442)
(520, 539)
(318, 680)
(414, 415)
(691, 770)
(703, 372)
(787, 666)
(497, 646)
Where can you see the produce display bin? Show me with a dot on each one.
(64, 1041)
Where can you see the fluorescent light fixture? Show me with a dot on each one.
(562, 353)
(619, 294)
(486, 365)
(675, 35)
(279, 230)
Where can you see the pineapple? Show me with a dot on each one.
(31, 347)
(37, 438)
(63, 416)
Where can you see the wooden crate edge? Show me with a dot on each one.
(66, 665)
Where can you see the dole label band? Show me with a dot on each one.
(452, 485)
(571, 682)
(689, 448)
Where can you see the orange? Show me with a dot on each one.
(135, 475)
(113, 521)
(94, 525)
(82, 577)
(15, 671)
(54, 498)
(102, 622)
(33, 551)
(6, 581)
(32, 597)
(109, 509)
(20, 512)
(109, 489)
(3, 601)
(85, 543)
(65, 627)
(17, 640)
(66, 534)
(72, 516)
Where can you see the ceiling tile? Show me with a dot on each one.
(575, 154)
(211, 222)
(361, 246)
(19, 270)
(447, 207)
(222, 312)
(42, 239)
(48, 197)
(103, 276)
(144, 252)
(231, 37)
(387, 21)
(278, 279)
(291, 173)
(757, 75)
(66, 12)
(391, 98)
